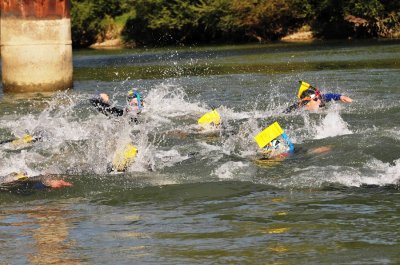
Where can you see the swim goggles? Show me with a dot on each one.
(315, 98)
(311, 93)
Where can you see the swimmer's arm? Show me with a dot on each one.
(296, 106)
(105, 108)
(291, 108)
(44, 182)
(330, 96)
(57, 183)
(115, 111)
(98, 103)
(345, 99)
(320, 150)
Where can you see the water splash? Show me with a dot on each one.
(230, 170)
(78, 140)
(375, 172)
(332, 125)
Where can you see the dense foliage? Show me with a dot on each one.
(161, 22)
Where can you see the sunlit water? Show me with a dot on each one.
(193, 198)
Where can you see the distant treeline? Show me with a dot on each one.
(166, 22)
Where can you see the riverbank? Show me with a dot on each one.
(304, 34)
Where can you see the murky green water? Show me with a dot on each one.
(194, 198)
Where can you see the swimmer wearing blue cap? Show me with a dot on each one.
(135, 105)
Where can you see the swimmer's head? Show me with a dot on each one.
(132, 94)
(20, 175)
(275, 148)
(312, 99)
(310, 93)
(135, 100)
(273, 145)
(104, 98)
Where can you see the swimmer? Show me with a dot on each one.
(135, 102)
(25, 141)
(134, 106)
(123, 158)
(277, 148)
(19, 182)
(312, 99)
(274, 143)
(211, 121)
(102, 104)
(280, 147)
(208, 124)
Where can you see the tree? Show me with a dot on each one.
(85, 24)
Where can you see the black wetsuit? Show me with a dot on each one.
(107, 110)
(296, 106)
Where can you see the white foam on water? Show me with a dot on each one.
(71, 143)
(88, 142)
(331, 125)
(319, 124)
(56, 121)
(374, 172)
(230, 114)
(242, 142)
(168, 158)
(230, 170)
(394, 133)
(10, 164)
(209, 151)
(168, 100)
(168, 104)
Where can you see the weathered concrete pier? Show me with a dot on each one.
(36, 47)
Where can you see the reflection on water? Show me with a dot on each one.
(46, 232)
(51, 237)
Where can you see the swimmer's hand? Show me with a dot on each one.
(320, 150)
(345, 99)
(56, 184)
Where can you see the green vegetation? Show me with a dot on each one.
(166, 22)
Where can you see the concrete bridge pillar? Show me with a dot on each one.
(36, 47)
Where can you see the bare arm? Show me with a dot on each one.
(345, 99)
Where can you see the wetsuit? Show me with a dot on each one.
(23, 185)
(107, 110)
(324, 98)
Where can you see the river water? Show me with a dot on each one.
(204, 198)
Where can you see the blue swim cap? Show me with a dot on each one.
(134, 94)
